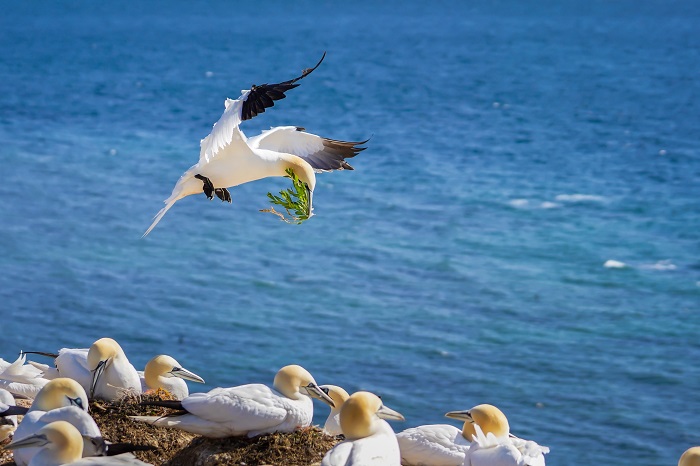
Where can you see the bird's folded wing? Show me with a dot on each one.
(339, 455)
(76, 416)
(321, 153)
(249, 407)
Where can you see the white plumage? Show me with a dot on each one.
(228, 158)
(432, 445)
(59, 443)
(103, 370)
(250, 410)
(20, 378)
(489, 450)
(61, 399)
(165, 372)
(370, 440)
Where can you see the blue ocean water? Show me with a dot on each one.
(515, 148)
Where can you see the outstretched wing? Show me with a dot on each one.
(264, 95)
(249, 104)
(321, 153)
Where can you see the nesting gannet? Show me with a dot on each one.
(370, 441)
(20, 378)
(338, 395)
(691, 457)
(165, 372)
(103, 370)
(61, 399)
(251, 410)
(228, 158)
(492, 444)
(433, 445)
(60, 443)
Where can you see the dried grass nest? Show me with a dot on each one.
(305, 447)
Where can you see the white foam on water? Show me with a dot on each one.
(549, 205)
(613, 264)
(663, 265)
(580, 198)
(519, 203)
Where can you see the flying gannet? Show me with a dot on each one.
(228, 158)
(370, 441)
(493, 444)
(338, 395)
(165, 372)
(59, 443)
(250, 410)
(103, 370)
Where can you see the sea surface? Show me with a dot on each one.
(515, 149)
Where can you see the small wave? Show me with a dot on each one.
(518, 203)
(549, 205)
(580, 198)
(613, 264)
(663, 265)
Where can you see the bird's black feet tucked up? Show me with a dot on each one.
(208, 187)
(223, 194)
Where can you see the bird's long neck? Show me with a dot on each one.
(301, 168)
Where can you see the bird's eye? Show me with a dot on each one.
(77, 402)
(325, 390)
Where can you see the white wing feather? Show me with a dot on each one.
(225, 130)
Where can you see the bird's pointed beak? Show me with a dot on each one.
(185, 374)
(314, 391)
(465, 416)
(37, 440)
(96, 374)
(390, 414)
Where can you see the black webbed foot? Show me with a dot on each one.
(223, 194)
(208, 187)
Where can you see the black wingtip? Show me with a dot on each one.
(14, 411)
(119, 448)
(172, 404)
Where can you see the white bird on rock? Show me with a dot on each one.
(60, 443)
(103, 370)
(228, 158)
(370, 441)
(61, 399)
(165, 372)
(21, 379)
(493, 444)
(250, 410)
(338, 395)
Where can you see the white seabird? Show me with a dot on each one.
(338, 395)
(61, 399)
(60, 443)
(493, 444)
(250, 410)
(691, 457)
(370, 441)
(433, 445)
(165, 372)
(228, 158)
(21, 379)
(103, 370)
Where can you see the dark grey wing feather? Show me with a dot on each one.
(264, 95)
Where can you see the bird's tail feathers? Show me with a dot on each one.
(168, 204)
